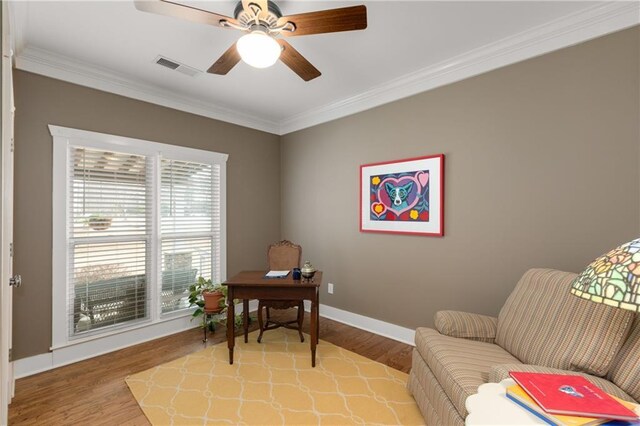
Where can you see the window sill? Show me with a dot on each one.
(73, 341)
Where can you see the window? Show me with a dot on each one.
(135, 224)
(189, 227)
(109, 216)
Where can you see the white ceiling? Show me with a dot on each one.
(408, 47)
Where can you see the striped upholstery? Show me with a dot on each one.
(501, 372)
(466, 325)
(543, 324)
(459, 365)
(435, 405)
(625, 371)
(428, 412)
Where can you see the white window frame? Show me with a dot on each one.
(157, 324)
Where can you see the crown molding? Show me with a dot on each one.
(60, 67)
(18, 13)
(573, 29)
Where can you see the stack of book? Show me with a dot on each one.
(565, 400)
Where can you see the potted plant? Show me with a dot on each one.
(208, 297)
(211, 298)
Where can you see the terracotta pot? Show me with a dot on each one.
(212, 300)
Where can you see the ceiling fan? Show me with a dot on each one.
(264, 25)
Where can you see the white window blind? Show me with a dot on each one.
(190, 228)
(109, 216)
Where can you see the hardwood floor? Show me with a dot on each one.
(93, 392)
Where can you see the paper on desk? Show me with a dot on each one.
(276, 274)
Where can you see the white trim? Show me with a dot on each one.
(39, 61)
(68, 348)
(18, 12)
(33, 365)
(68, 355)
(89, 349)
(7, 377)
(590, 23)
(372, 325)
(156, 237)
(124, 329)
(43, 362)
(382, 328)
(59, 239)
(567, 31)
(222, 255)
(104, 140)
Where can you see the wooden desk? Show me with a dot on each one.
(252, 285)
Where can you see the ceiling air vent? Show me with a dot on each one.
(177, 66)
(167, 63)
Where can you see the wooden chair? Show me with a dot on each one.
(282, 256)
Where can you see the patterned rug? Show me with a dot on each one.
(272, 383)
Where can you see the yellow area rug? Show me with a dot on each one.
(272, 383)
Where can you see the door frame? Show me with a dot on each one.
(7, 382)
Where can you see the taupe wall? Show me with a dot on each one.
(253, 172)
(541, 171)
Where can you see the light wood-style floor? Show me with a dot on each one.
(93, 392)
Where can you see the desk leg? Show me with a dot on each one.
(245, 319)
(230, 324)
(314, 329)
(318, 316)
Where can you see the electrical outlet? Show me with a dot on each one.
(330, 288)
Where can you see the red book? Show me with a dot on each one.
(573, 395)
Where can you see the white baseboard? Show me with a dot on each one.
(32, 365)
(68, 355)
(59, 357)
(392, 331)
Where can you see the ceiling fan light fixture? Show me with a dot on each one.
(258, 49)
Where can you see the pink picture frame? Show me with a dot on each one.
(403, 196)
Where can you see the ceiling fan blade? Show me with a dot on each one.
(298, 64)
(181, 11)
(228, 60)
(327, 21)
(263, 4)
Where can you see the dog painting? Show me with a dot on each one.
(400, 196)
(403, 196)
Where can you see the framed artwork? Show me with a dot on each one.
(403, 196)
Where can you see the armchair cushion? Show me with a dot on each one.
(542, 324)
(459, 365)
(466, 325)
(501, 372)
